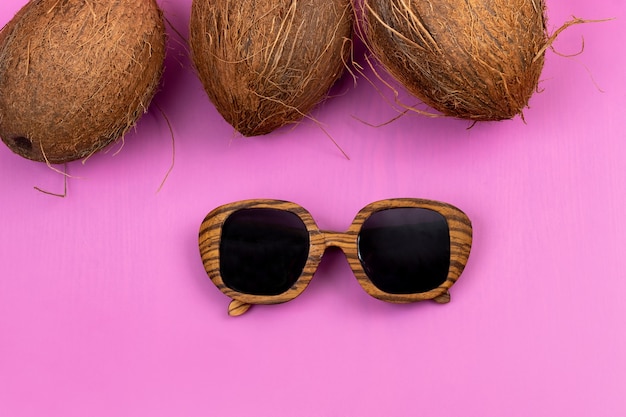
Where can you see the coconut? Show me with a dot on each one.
(75, 75)
(470, 59)
(267, 63)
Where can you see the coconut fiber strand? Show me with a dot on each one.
(76, 75)
(471, 59)
(266, 63)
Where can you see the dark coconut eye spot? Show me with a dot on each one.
(23, 143)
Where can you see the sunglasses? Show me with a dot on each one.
(400, 250)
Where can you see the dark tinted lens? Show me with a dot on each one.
(263, 251)
(405, 250)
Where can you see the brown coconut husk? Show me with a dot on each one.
(471, 59)
(76, 75)
(267, 63)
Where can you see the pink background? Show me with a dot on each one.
(105, 308)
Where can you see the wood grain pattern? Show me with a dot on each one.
(460, 245)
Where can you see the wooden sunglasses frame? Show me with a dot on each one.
(459, 226)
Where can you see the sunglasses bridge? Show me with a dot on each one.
(342, 240)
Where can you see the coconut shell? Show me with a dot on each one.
(75, 75)
(471, 59)
(267, 63)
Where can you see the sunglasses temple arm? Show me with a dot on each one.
(237, 308)
(443, 298)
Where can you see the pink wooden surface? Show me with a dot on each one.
(105, 308)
